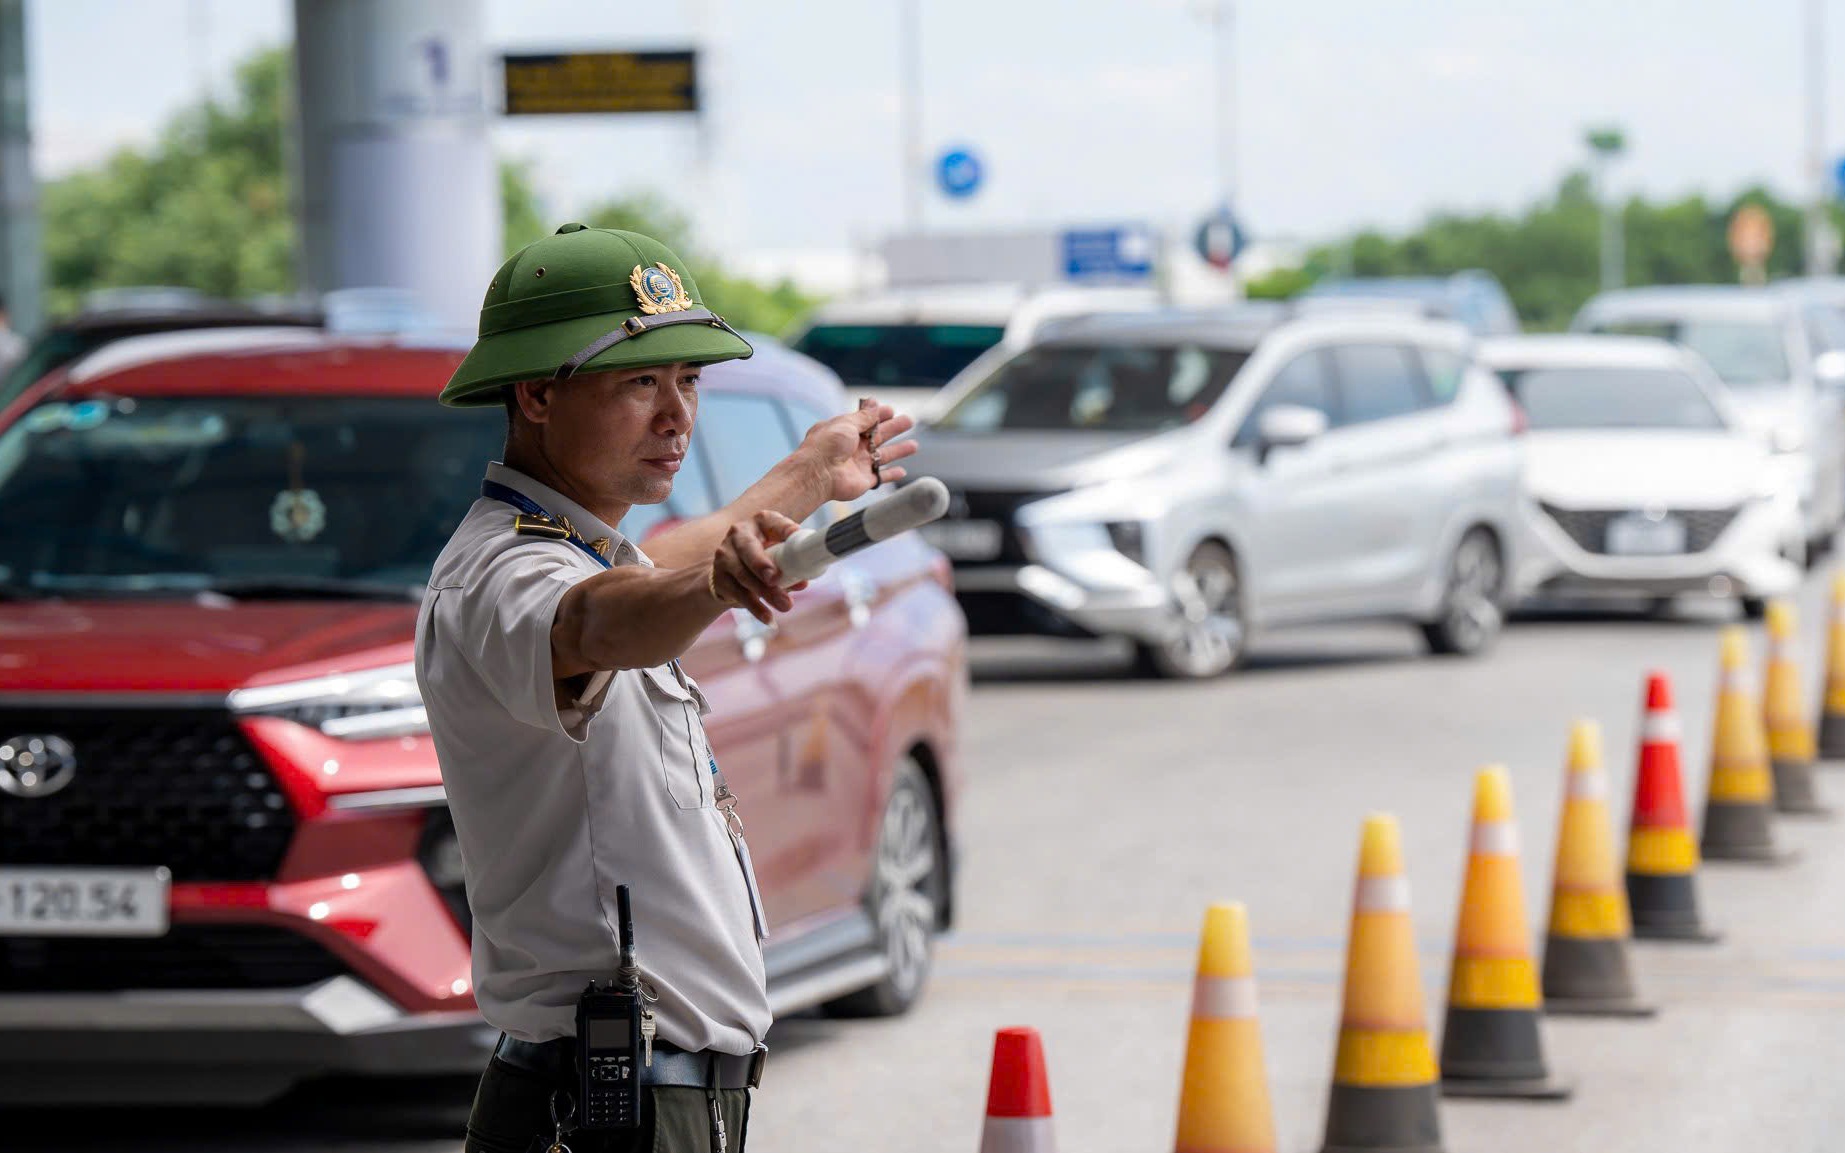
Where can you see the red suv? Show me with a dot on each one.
(225, 860)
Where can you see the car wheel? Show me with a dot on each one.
(1470, 615)
(1755, 608)
(908, 888)
(1211, 629)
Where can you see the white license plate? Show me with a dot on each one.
(971, 540)
(84, 902)
(1638, 536)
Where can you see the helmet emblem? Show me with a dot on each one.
(657, 289)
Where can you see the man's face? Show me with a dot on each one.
(620, 435)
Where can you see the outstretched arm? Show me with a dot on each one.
(833, 462)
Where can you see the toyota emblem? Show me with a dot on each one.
(36, 766)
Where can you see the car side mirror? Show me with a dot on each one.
(1829, 370)
(1287, 426)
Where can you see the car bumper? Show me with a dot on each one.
(1748, 558)
(1037, 600)
(220, 1048)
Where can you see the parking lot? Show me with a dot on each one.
(1103, 812)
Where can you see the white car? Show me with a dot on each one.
(1785, 381)
(1642, 478)
(1183, 478)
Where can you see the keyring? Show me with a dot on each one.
(877, 468)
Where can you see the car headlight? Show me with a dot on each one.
(1129, 539)
(439, 852)
(381, 702)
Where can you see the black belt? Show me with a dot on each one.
(672, 1066)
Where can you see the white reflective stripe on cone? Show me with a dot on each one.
(1223, 998)
(1495, 839)
(1587, 785)
(1778, 649)
(1660, 726)
(1018, 1135)
(1733, 681)
(1382, 895)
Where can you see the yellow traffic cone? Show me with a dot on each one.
(1587, 969)
(1832, 706)
(1223, 1099)
(1741, 793)
(1384, 1077)
(1791, 749)
(1492, 1044)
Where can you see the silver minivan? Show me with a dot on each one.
(1184, 479)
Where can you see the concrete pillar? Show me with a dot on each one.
(398, 185)
(21, 266)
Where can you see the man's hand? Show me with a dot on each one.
(742, 573)
(843, 448)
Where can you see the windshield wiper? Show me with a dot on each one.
(312, 588)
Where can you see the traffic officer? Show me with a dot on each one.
(570, 739)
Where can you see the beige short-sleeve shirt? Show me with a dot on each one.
(556, 803)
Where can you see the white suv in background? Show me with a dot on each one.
(1183, 478)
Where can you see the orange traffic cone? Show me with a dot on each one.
(1383, 1092)
(1662, 858)
(1018, 1096)
(1832, 707)
(1791, 749)
(1223, 1099)
(1586, 965)
(1740, 799)
(1491, 1043)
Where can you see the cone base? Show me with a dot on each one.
(1588, 971)
(1543, 1089)
(1689, 934)
(1393, 1119)
(1665, 907)
(1596, 1007)
(1832, 738)
(1739, 833)
(1493, 1053)
(1795, 791)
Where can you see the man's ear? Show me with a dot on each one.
(534, 399)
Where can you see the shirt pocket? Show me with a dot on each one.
(684, 763)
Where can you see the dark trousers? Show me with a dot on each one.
(512, 1115)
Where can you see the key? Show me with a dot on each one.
(719, 1139)
(557, 1138)
(648, 1029)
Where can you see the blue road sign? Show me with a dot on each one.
(959, 173)
(1124, 253)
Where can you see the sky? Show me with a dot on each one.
(1348, 113)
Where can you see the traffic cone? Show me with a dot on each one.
(1383, 1092)
(1018, 1096)
(1223, 1098)
(1662, 857)
(1739, 803)
(1791, 749)
(1586, 966)
(1491, 1043)
(1832, 708)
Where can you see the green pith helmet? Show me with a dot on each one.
(585, 300)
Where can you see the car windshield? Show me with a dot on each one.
(1114, 388)
(1583, 398)
(1742, 352)
(250, 495)
(898, 355)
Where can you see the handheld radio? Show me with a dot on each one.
(610, 1020)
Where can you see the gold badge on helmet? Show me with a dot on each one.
(657, 289)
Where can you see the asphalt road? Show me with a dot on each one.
(1102, 813)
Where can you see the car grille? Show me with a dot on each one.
(1589, 527)
(175, 787)
(188, 957)
(1003, 508)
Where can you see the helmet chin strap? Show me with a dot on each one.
(636, 325)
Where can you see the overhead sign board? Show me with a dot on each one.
(1124, 253)
(601, 82)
